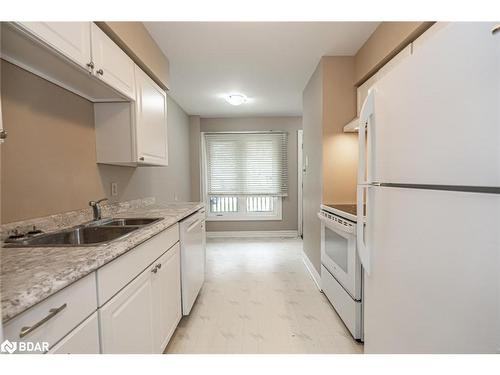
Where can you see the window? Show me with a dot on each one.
(245, 175)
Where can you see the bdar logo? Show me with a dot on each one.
(8, 347)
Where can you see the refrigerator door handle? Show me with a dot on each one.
(361, 245)
(367, 110)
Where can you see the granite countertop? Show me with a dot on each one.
(30, 275)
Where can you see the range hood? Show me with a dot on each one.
(352, 126)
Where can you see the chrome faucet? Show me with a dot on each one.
(96, 207)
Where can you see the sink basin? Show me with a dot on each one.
(130, 222)
(79, 236)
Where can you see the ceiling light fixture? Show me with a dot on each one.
(236, 99)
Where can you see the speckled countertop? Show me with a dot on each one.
(29, 275)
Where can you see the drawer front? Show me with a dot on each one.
(115, 275)
(84, 339)
(57, 315)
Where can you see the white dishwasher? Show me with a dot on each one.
(192, 238)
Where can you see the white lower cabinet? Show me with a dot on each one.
(142, 316)
(127, 319)
(167, 297)
(84, 339)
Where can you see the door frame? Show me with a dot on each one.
(300, 174)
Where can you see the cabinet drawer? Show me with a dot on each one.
(115, 275)
(64, 310)
(84, 339)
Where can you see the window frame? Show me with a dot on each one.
(241, 214)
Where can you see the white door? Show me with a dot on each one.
(167, 297)
(437, 114)
(71, 39)
(84, 339)
(151, 121)
(127, 319)
(434, 281)
(111, 64)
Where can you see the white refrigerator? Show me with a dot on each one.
(429, 173)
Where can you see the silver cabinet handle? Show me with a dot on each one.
(52, 313)
(101, 72)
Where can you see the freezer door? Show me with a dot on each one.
(437, 113)
(434, 285)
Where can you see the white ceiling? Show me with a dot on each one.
(269, 62)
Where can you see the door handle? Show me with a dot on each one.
(364, 250)
(367, 111)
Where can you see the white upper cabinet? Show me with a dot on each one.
(71, 39)
(111, 64)
(60, 52)
(151, 121)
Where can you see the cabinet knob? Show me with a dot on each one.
(141, 158)
(158, 265)
(100, 72)
(155, 269)
(3, 134)
(496, 29)
(91, 65)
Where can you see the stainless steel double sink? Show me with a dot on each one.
(90, 234)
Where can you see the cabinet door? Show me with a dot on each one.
(111, 64)
(127, 319)
(167, 297)
(84, 339)
(72, 39)
(151, 121)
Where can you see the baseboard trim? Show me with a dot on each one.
(254, 234)
(312, 271)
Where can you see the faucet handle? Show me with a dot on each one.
(93, 203)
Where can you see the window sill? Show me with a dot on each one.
(243, 218)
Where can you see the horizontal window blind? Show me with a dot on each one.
(247, 163)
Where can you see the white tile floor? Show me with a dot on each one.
(259, 298)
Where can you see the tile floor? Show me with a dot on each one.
(259, 298)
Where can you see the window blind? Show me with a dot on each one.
(247, 163)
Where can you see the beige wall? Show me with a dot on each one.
(164, 183)
(289, 206)
(388, 39)
(48, 162)
(312, 123)
(135, 40)
(340, 150)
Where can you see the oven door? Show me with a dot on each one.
(339, 256)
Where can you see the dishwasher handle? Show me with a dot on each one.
(194, 225)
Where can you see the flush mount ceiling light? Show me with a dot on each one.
(236, 99)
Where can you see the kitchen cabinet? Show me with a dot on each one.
(55, 317)
(142, 317)
(84, 339)
(127, 319)
(134, 134)
(166, 285)
(151, 120)
(60, 52)
(71, 39)
(111, 64)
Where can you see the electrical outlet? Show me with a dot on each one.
(114, 189)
